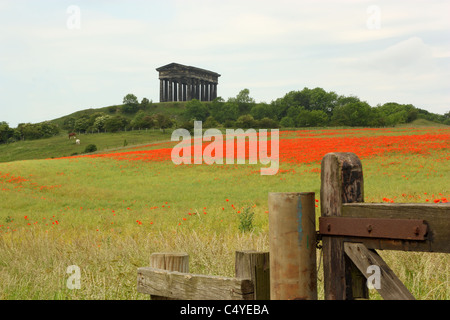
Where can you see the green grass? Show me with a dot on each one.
(108, 216)
(173, 109)
(423, 123)
(61, 146)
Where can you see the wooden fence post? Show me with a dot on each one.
(341, 182)
(292, 242)
(171, 262)
(255, 265)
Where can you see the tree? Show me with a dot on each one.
(138, 119)
(116, 123)
(47, 129)
(287, 122)
(5, 132)
(228, 112)
(263, 110)
(99, 123)
(244, 101)
(354, 114)
(81, 124)
(210, 123)
(245, 121)
(267, 123)
(69, 124)
(302, 119)
(196, 110)
(145, 103)
(130, 103)
(94, 116)
(318, 118)
(322, 100)
(163, 122)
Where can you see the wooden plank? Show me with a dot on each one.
(187, 286)
(391, 288)
(170, 261)
(403, 229)
(341, 182)
(436, 216)
(255, 265)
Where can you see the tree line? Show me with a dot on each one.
(306, 108)
(296, 109)
(27, 131)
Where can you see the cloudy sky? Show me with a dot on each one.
(58, 56)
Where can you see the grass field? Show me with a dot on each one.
(61, 146)
(106, 213)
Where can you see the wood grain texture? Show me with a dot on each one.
(187, 286)
(255, 265)
(341, 182)
(391, 288)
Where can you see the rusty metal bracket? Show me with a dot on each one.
(403, 229)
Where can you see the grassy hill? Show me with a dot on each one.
(167, 108)
(61, 146)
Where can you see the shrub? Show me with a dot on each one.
(246, 220)
(90, 148)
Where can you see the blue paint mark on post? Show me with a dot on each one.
(299, 220)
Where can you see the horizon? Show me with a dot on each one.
(60, 57)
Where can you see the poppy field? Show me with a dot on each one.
(107, 212)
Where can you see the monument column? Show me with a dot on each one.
(210, 87)
(175, 90)
(170, 90)
(161, 90)
(210, 91)
(197, 89)
(205, 93)
(166, 90)
(189, 89)
(180, 91)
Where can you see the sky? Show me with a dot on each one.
(58, 56)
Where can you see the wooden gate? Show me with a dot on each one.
(350, 230)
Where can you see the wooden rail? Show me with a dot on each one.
(163, 281)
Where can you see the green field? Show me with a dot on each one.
(107, 215)
(61, 146)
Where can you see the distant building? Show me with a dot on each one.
(184, 83)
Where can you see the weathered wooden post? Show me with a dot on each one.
(341, 182)
(255, 265)
(292, 243)
(171, 262)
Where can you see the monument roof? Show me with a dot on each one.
(177, 66)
